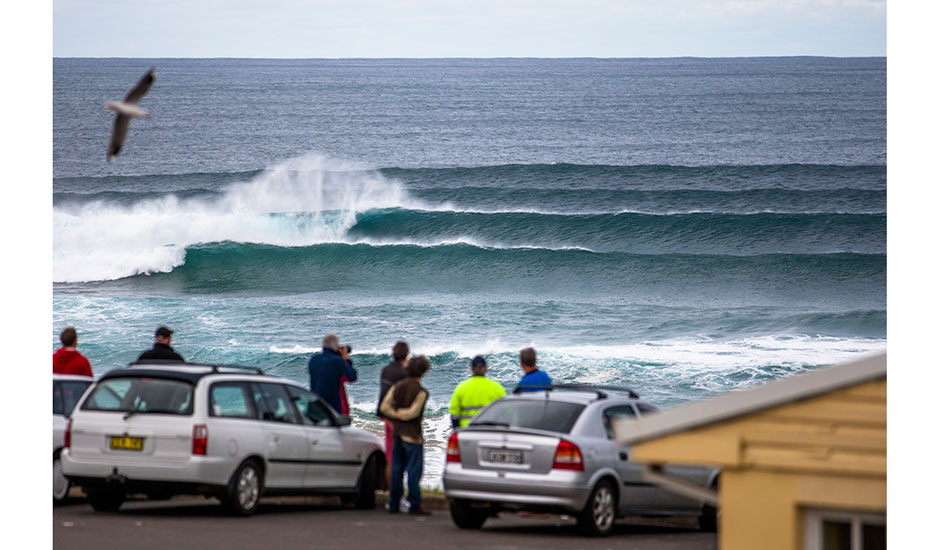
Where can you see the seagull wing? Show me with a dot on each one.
(140, 89)
(119, 130)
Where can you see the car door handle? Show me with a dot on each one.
(314, 441)
(623, 455)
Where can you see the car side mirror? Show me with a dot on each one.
(343, 420)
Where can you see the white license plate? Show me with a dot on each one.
(506, 457)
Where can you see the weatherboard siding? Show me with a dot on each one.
(844, 431)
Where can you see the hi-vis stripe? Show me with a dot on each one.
(468, 412)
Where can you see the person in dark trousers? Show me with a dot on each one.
(328, 369)
(162, 348)
(66, 360)
(390, 375)
(532, 375)
(404, 405)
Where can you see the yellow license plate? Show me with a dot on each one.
(126, 443)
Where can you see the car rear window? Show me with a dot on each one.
(552, 416)
(141, 395)
(66, 394)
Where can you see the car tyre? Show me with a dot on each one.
(244, 490)
(105, 499)
(366, 488)
(598, 517)
(60, 481)
(466, 517)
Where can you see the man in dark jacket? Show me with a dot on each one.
(327, 370)
(391, 373)
(162, 348)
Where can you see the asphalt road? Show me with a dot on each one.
(285, 524)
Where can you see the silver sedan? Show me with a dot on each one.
(552, 451)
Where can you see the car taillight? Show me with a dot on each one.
(199, 440)
(567, 457)
(452, 453)
(66, 436)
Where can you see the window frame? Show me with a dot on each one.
(608, 429)
(245, 387)
(815, 518)
(58, 398)
(104, 385)
(283, 389)
(307, 421)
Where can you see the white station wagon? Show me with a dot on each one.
(233, 433)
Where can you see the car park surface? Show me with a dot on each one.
(188, 523)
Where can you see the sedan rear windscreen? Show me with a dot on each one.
(546, 415)
(141, 395)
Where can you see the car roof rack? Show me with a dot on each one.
(599, 390)
(213, 366)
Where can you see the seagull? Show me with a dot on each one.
(126, 109)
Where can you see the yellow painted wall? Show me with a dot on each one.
(765, 509)
(843, 432)
(825, 452)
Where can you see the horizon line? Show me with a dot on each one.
(482, 58)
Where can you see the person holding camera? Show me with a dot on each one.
(328, 371)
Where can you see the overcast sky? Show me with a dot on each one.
(467, 28)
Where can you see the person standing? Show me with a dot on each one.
(532, 375)
(162, 348)
(390, 375)
(66, 360)
(404, 405)
(471, 395)
(328, 369)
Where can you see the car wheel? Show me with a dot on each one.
(597, 518)
(366, 488)
(466, 517)
(244, 489)
(105, 499)
(60, 482)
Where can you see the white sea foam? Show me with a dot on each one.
(103, 241)
(303, 201)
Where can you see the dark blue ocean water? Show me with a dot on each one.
(681, 226)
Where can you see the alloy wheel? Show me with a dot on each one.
(248, 488)
(603, 508)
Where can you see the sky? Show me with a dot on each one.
(468, 28)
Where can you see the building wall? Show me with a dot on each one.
(823, 452)
(765, 509)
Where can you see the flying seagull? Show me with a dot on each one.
(126, 109)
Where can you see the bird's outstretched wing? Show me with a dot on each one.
(140, 89)
(119, 130)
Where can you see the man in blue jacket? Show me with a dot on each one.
(327, 370)
(533, 376)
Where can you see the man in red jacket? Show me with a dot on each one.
(67, 360)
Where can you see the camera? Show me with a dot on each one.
(348, 348)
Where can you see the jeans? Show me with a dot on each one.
(407, 457)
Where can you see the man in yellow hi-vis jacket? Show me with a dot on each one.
(474, 393)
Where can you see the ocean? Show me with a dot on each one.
(683, 227)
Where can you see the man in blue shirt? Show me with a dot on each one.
(327, 370)
(532, 375)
